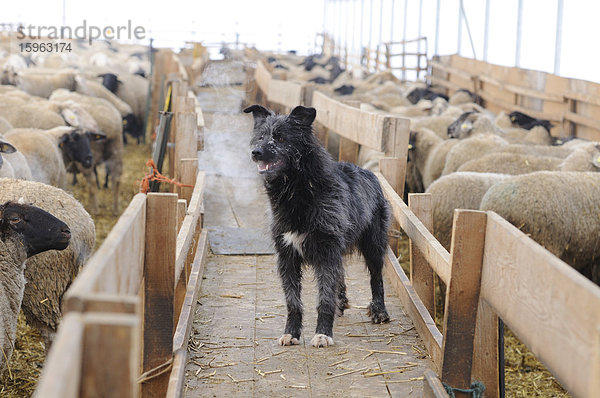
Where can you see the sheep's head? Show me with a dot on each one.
(37, 229)
(75, 146)
(461, 127)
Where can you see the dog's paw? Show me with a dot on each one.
(378, 315)
(287, 339)
(321, 340)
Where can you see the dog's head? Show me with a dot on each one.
(279, 142)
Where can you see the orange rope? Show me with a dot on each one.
(154, 175)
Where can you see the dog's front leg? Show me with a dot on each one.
(290, 271)
(329, 273)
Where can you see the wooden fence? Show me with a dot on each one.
(572, 105)
(128, 314)
(492, 270)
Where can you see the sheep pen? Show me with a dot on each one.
(19, 379)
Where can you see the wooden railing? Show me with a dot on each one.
(573, 106)
(492, 270)
(128, 314)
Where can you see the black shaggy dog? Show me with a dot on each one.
(322, 209)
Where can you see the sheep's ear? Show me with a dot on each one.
(70, 117)
(63, 140)
(5, 147)
(260, 114)
(302, 115)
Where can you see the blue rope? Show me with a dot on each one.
(476, 390)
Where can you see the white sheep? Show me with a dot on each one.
(471, 148)
(460, 190)
(558, 209)
(49, 274)
(25, 231)
(43, 83)
(510, 163)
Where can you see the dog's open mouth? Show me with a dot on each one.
(265, 167)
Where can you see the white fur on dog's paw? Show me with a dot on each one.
(287, 339)
(321, 340)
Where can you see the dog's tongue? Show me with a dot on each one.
(262, 166)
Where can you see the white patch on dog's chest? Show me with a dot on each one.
(295, 240)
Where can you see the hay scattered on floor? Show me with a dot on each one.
(29, 355)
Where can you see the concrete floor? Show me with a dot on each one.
(241, 312)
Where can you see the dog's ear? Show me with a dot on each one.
(259, 112)
(302, 115)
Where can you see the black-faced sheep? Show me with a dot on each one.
(527, 122)
(24, 232)
(47, 152)
(109, 151)
(50, 274)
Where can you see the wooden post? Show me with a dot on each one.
(462, 295)
(421, 274)
(159, 279)
(186, 140)
(188, 170)
(110, 356)
(181, 209)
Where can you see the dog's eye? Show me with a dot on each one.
(277, 137)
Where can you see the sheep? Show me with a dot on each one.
(429, 152)
(510, 163)
(584, 158)
(462, 96)
(50, 274)
(460, 190)
(47, 151)
(25, 231)
(109, 151)
(557, 209)
(471, 123)
(437, 124)
(132, 89)
(6, 148)
(419, 94)
(471, 148)
(527, 122)
(43, 83)
(13, 163)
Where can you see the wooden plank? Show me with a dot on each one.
(187, 233)
(435, 254)
(181, 211)
(348, 150)
(61, 375)
(182, 332)
(262, 77)
(159, 275)
(462, 296)
(107, 302)
(359, 126)
(285, 93)
(449, 69)
(545, 295)
(110, 356)
(583, 120)
(421, 274)
(396, 132)
(486, 352)
(583, 97)
(432, 386)
(116, 267)
(424, 323)
(527, 92)
(188, 171)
